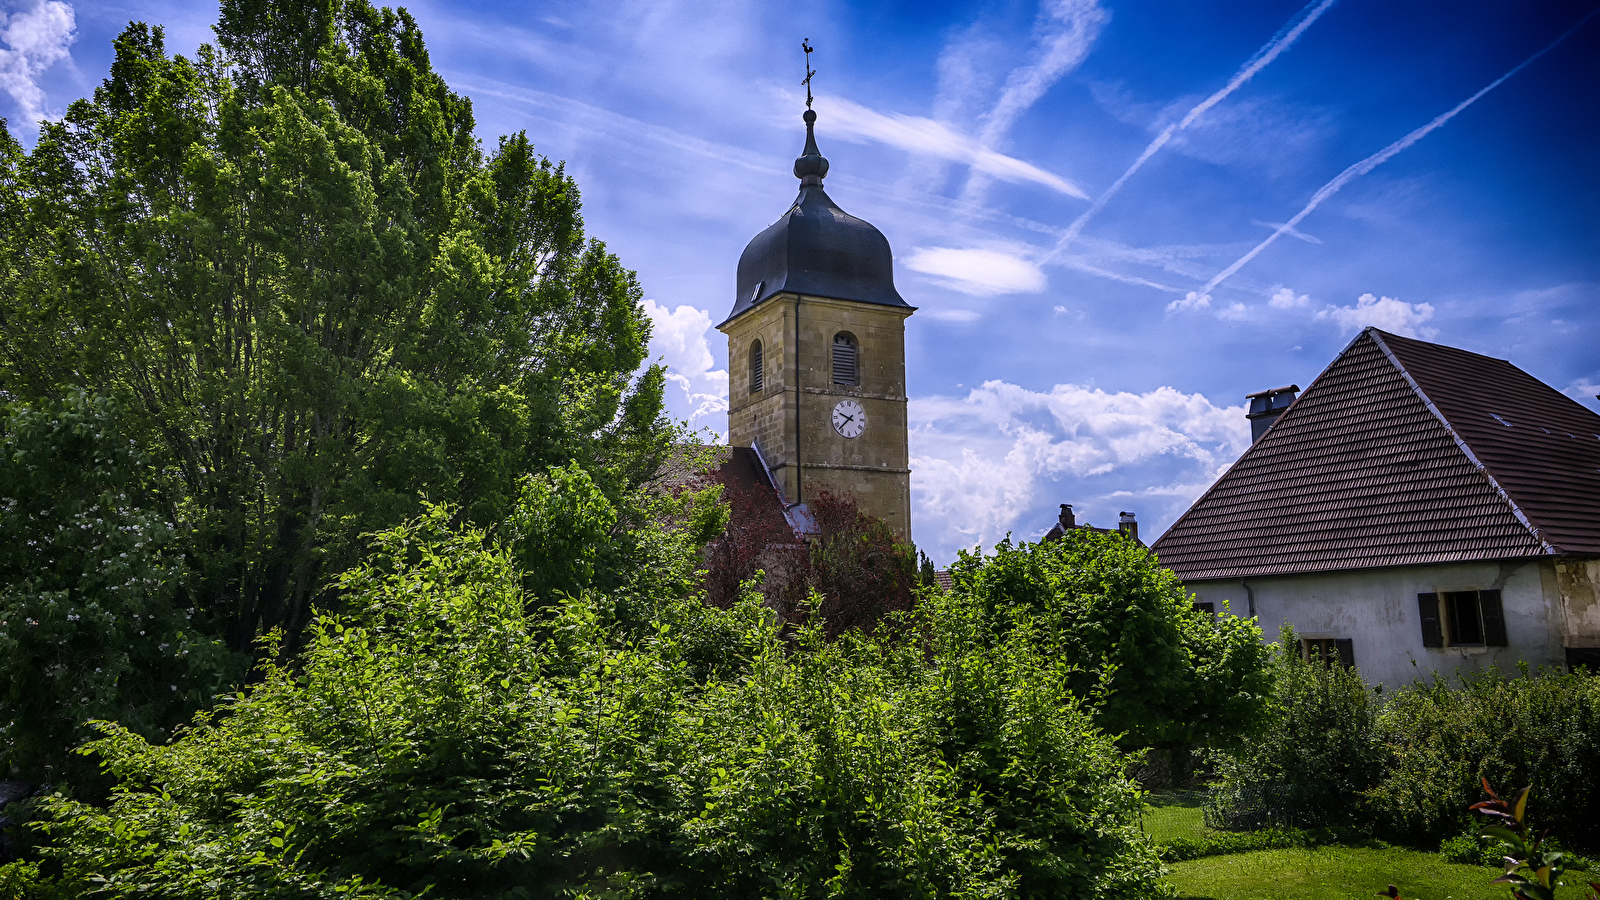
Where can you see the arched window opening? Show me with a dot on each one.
(756, 371)
(846, 359)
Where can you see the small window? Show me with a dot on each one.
(756, 369)
(1209, 609)
(1462, 619)
(846, 360)
(1329, 651)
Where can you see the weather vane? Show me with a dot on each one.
(805, 44)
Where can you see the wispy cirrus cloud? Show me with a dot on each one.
(1270, 51)
(1064, 33)
(979, 271)
(1289, 230)
(36, 38)
(926, 137)
(1382, 156)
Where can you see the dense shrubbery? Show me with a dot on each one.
(1407, 766)
(1162, 673)
(1220, 843)
(630, 743)
(851, 573)
(95, 622)
(1309, 767)
(1443, 739)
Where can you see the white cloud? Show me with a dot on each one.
(1386, 313)
(1584, 391)
(1285, 298)
(926, 137)
(679, 339)
(1236, 312)
(35, 39)
(1003, 457)
(977, 271)
(954, 315)
(1191, 300)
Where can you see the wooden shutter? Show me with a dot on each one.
(1494, 619)
(844, 360)
(756, 368)
(1428, 609)
(1347, 652)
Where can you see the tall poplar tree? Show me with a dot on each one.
(315, 296)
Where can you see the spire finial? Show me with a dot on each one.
(805, 44)
(811, 166)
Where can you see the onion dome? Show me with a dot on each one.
(816, 248)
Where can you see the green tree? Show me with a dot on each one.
(92, 621)
(1162, 673)
(316, 297)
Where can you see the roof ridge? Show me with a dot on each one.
(1455, 435)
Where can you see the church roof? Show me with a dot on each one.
(816, 248)
(1402, 452)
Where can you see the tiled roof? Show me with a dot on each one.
(1539, 445)
(1392, 457)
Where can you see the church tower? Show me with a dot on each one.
(816, 353)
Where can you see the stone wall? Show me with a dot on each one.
(1377, 610)
(791, 417)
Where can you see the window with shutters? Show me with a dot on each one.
(1462, 619)
(846, 359)
(756, 371)
(1329, 651)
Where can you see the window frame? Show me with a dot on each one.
(1443, 609)
(833, 359)
(1328, 649)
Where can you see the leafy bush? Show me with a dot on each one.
(1220, 843)
(94, 622)
(1444, 739)
(443, 735)
(1162, 673)
(1308, 767)
(859, 571)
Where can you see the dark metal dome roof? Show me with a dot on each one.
(816, 248)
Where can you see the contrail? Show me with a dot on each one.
(1268, 52)
(1378, 159)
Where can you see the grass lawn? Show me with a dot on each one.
(1174, 815)
(1335, 873)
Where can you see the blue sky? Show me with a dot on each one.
(1057, 356)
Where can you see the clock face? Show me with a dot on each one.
(849, 419)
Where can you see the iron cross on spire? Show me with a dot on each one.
(805, 44)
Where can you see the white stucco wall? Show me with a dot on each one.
(1377, 610)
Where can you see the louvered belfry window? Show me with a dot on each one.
(846, 360)
(755, 368)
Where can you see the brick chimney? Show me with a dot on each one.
(1066, 519)
(1128, 525)
(1266, 407)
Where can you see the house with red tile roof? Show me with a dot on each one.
(1417, 509)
